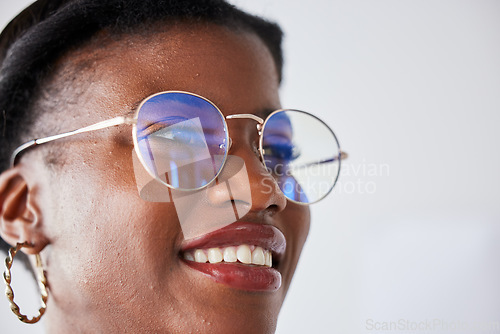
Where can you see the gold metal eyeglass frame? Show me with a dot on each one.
(261, 123)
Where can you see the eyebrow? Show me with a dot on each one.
(262, 113)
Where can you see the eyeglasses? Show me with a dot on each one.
(182, 140)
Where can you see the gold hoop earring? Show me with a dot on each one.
(42, 283)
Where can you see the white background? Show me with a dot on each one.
(412, 232)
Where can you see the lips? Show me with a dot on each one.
(247, 270)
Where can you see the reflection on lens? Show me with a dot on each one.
(302, 154)
(181, 139)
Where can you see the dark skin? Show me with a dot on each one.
(112, 259)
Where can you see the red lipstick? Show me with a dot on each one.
(236, 274)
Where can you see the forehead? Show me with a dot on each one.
(206, 59)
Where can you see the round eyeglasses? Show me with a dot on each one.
(182, 140)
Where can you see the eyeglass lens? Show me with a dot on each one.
(183, 141)
(302, 154)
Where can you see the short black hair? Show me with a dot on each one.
(39, 36)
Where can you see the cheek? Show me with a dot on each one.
(104, 237)
(296, 223)
(301, 224)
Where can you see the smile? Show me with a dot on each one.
(242, 255)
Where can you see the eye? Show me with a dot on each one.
(280, 147)
(151, 127)
(180, 130)
(180, 135)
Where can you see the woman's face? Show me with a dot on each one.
(114, 261)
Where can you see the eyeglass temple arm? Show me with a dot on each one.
(343, 155)
(97, 126)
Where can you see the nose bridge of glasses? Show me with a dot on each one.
(259, 125)
(259, 120)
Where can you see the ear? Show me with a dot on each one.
(20, 217)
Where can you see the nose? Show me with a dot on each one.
(244, 180)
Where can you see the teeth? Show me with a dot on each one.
(243, 253)
(199, 256)
(258, 256)
(214, 255)
(269, 259)
(230, 254)
(189, 256)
